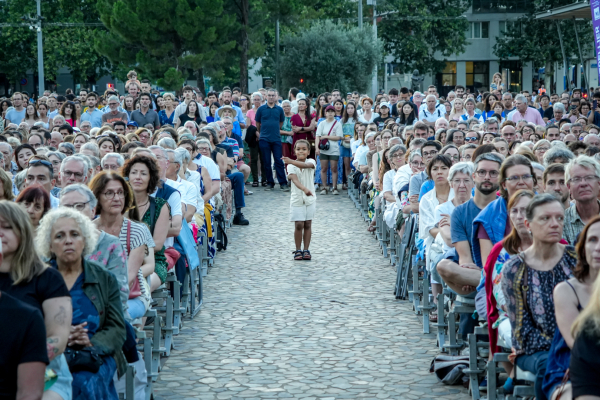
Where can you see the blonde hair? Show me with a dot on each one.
(6, 185)
(26, 263)
(44, 233)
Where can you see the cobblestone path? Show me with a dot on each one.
(329, 328)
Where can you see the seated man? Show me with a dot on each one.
(464, 276)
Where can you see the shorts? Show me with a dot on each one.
(136, 309)
(239, 164)
(63, 385)
(345, 152)
(325, 157)
(302, 213)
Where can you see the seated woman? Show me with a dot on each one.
(143, 176)
(24, 276)
(518, 240)
(66, 237)
(528, 280)
(570, 298)
(115, 198)
(36, 202)
(437, 170)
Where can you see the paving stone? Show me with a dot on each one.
(329, 328)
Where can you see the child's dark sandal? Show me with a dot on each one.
(307, 255)
(298, 255)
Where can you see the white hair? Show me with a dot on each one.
(584, 162)
(93, 147)
(77, 158)
(120, 159)
(43, 239)
(464, 166)
(168, 143)
(259, 94)
(591, 135)
(430, 95)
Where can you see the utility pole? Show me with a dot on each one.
(277, 81)
(360, 17)
(40, 49)
(374, 84)
(587, 83)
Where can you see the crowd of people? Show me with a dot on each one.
(97, 188)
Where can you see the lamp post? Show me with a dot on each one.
(40, 47)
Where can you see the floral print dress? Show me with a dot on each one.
(533, 323)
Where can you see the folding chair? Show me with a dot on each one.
(477, 362)
(462, 305)
(404, 256)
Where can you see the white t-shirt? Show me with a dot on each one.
(388, 181)
(324, 129)
(426, 115)
(189, 192)
(174, 201)
(210, 165)
(444, 208)
(306, 176)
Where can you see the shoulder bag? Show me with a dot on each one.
(324, 143)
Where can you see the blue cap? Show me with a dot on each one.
(133, 123)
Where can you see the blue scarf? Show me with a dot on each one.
(493, 219)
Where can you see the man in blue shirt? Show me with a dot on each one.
(93, 115)
(16, 114)
(269, 119)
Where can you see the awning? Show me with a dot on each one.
(579, 10)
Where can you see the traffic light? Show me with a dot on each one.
(110, 85)
(301, 80)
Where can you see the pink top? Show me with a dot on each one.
(531, 115)
(251, 114)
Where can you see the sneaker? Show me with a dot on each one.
(335, 191)
(269, 187)
(248, 193)
(324, 191)
(285, 188)
(240, 220)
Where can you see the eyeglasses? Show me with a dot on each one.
(36, 145)
(542, 149)
(43, 162)
(482, 173)
(77, 206)
(577, 180)
(417, 164)
(518, 178)
(398, 155)
(109, 194)
(461, 181)
(77, 175)
(471, 139)
(454, 157)
(227, 123)
(431, 153)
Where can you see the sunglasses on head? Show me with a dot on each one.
(43, 162)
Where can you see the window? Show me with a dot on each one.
(500, 6)
(446, 80)
(478, 75)
(506, 26)
(479, 30)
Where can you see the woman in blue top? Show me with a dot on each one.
(166, 116)
(212, 112)
(488, 104)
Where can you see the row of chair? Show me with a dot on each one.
(172, 303)
(413, 284)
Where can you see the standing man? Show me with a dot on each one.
(509, 134)
(74, 169)
(555, 184)
(269, 119)
(507, 100)
(93, 115)
(145, 115)
(393, 101)
(114, 115)
(431, 113)
(239, 117)
(17, 113)
(524, 112)
(52, 109)
(41, 172)
(582, 175)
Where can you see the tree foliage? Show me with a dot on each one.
(64, 46)
(187, 35)
(535, 40)
(417, 32)
(328, 56)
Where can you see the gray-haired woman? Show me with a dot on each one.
(66, 237)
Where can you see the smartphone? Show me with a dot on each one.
(595, 104)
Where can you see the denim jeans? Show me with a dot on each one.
(237, 184)
(536, 364)
(266, 148)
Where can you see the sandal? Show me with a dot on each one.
(298, 255)
(371, 228)
(433, 317)
(306, 255)
(254, 184)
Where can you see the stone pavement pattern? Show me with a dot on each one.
(272, 327)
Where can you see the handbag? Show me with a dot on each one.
(83, 359)
(324, 144)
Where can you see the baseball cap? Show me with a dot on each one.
(329, 108)
(133, 123)
(384, 104)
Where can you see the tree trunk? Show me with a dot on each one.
(200, 80)
(245, 45)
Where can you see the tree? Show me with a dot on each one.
(537, 41)
(417, 32)
(68, 41)
(186, 35)
(328, 56)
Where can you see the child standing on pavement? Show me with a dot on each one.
(301, 173)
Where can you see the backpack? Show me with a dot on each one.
(221, 235)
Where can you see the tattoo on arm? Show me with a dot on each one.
(61, 316)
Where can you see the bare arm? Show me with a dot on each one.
(190, 210)
(375, 171)
(149, 263)
(58, 313)
(208, 184)
(485, 247)
(296, 181)
(445, 230)
(134, 262)
(161, 227)
(389, 197)
(175, 227)
(565, 308)
(299, 164)
(463, 249)
(30, 381)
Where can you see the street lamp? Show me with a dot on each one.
(36, 23)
